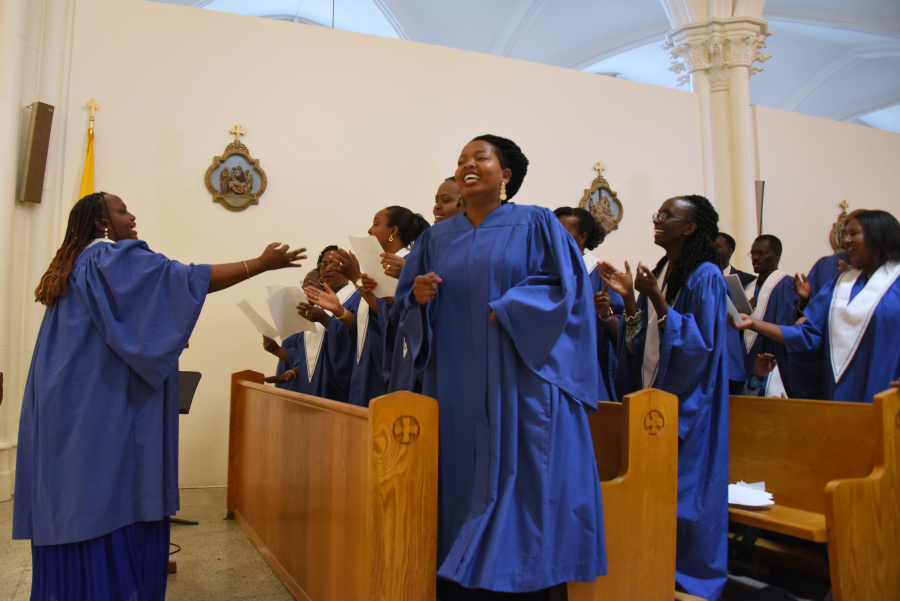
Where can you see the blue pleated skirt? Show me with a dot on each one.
(128, 564)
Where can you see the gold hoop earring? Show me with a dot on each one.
(321, 281)
(502, 191)
(391, 239)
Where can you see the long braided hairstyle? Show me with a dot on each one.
(700, 247)
(512, 158)
(80, 232)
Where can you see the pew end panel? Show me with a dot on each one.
(863, 516)
(636, 446)
(402, 507)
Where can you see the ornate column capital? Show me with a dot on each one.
(715, 46)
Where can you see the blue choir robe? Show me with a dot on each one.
(606, 346)
(290, 344)
(874, 363)
(519, 504)
(693, 365)
(325, 360)
(398, 369)
(805, 377)
(367, 381)
(98, 436)
(779, 309)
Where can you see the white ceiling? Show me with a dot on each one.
(838, 59)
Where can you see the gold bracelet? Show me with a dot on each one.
(247, 268)
(343, 315)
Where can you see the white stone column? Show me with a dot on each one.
(716, 56)
(13, 35)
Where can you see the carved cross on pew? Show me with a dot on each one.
(238, 132)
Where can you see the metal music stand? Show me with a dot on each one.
(187, 386)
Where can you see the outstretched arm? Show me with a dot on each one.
(275, 256)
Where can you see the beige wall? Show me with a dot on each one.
(344, 124)
(810, 165)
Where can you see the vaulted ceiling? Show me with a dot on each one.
(837, 59)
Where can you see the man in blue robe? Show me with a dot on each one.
(772, 296)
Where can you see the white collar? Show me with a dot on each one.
(762, 301)
(650, 364)
(849, 319)
(590, 262)
(98, 241)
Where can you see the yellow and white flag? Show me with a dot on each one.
(87, 178)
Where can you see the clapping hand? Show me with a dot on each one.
(802, 287)
(602, 303)
(645, 282)
(392, 264)
(325, 298)
(618, 281)
(349, 265)
(764, 365)
(425, 287)
(312, 313)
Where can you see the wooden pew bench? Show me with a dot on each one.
(340, 500)
(833, 470)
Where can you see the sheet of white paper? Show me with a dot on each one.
(283, 307)
(775, 385)
(270, 290)
(368, 250)
(749, 495)
(733, 311)
(737, 292)
(263, 326)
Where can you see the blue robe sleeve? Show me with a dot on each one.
(415, 320)
(149, 335)
(689, 338)
(808, 337)
(550, 315)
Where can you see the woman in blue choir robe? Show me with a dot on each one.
(96, 472)
(287, 351)
(853, 324)
(499, 319)
(675, 338)
(322, 361)
(396, 229)
(588, 235)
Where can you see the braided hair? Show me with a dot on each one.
(586, 225)
(511, 157)
(80, 232)
(700, 247)
(409, 224)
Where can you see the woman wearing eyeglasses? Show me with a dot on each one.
(322, 361)
(675, 338)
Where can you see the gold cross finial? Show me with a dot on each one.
(93, 105)
(845, 205)
(599, 167)
(238, 132)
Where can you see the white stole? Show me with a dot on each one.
(313, 340)
(362, 319)
(97, 241)
(849, 319)
(650, 366)
(761, 302)
(590, 262)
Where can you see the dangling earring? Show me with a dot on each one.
(391, 239)
(321, 281)
(106, 233)
(502, 191)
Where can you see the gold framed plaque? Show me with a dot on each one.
(834, 237)
(602, 202)
(235, 178)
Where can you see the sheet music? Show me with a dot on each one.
(262, 326)
(749, 495)
(368, 250)
(734, 312)
(737, 293)
(283, 307)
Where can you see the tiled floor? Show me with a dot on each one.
(217, 561)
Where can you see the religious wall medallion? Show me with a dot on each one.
(834, 238)
(602, 202)
(235, 179)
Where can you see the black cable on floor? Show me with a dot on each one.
(177, 549)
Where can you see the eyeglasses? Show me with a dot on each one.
(323, 265)
(312, 283)
(759, 253)
(662, 217)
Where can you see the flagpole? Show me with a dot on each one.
(87, 177)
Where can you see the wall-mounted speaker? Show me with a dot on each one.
(36, 152)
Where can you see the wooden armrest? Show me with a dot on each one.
(807, 525)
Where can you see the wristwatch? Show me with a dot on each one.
(358, 284)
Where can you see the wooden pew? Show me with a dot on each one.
(833, 470)
(341, 501)
(636, 445)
